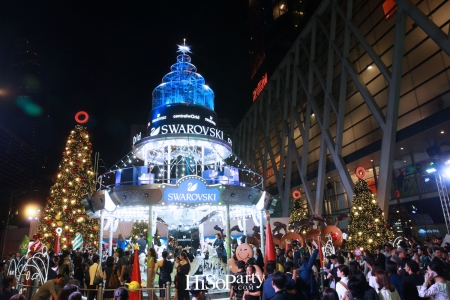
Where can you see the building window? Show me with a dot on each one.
(279, 8)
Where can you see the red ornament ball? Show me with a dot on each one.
(75, 169)
(67, 210)
(82, 179)
(70, 221)
(334, 236)
(386, 225)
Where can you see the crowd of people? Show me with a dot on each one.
(410, 271)
(413, 270)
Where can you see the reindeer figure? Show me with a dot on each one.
(218, 228)
(298, 225)
(341, 217)
(235, 228)
(278, 227)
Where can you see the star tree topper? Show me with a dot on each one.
(183, 48)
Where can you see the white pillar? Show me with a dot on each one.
(111, 233)
(261, 229)
(100, 244)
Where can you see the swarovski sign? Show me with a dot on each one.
(188, 128)
(191, 190)
(184, 119)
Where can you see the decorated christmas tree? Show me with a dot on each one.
(138, 228)
(299, 212)
(64, 210)
(367, 228)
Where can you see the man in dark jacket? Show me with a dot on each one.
(307, 275)
(410, 282)
(278, 282)
(380, 257)
(268, 290)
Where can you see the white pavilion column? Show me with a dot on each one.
(100, 244)
(201, 231)
(261, 226)
(244, 225)
(111, 233)
(149, 240)
(228, 240)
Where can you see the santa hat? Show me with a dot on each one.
(136, 274)
(270, 249)
(57, 247)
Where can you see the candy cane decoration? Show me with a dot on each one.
(239, 223)
(255, 220)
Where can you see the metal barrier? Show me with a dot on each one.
(29, 291)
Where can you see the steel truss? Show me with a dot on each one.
(315, 77)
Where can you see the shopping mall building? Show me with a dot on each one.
(365, 84)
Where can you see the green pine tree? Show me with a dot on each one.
(75, 180)
(367, 228)
(138, 228)
(298, 213)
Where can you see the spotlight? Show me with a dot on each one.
(146, 195)
(446, 172)
(431, 167)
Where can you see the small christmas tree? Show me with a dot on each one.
(138, 228)
(366, 228)
(64, 209)
(299, 212)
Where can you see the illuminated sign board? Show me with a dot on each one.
(259, 88)
(191, 190)
(183, 118)
(137, 138)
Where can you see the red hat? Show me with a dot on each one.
(136, 275)
(57, 247)
(270, 249)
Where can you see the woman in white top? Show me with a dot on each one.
(341, 286)
(94, 271)
(440, 290)
(386, 290)
(373, 266)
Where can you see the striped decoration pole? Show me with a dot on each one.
(78, 242)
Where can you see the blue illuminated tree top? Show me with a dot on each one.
(183, 84)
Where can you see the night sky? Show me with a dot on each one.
(106, 57)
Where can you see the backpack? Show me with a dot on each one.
(113, 282)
